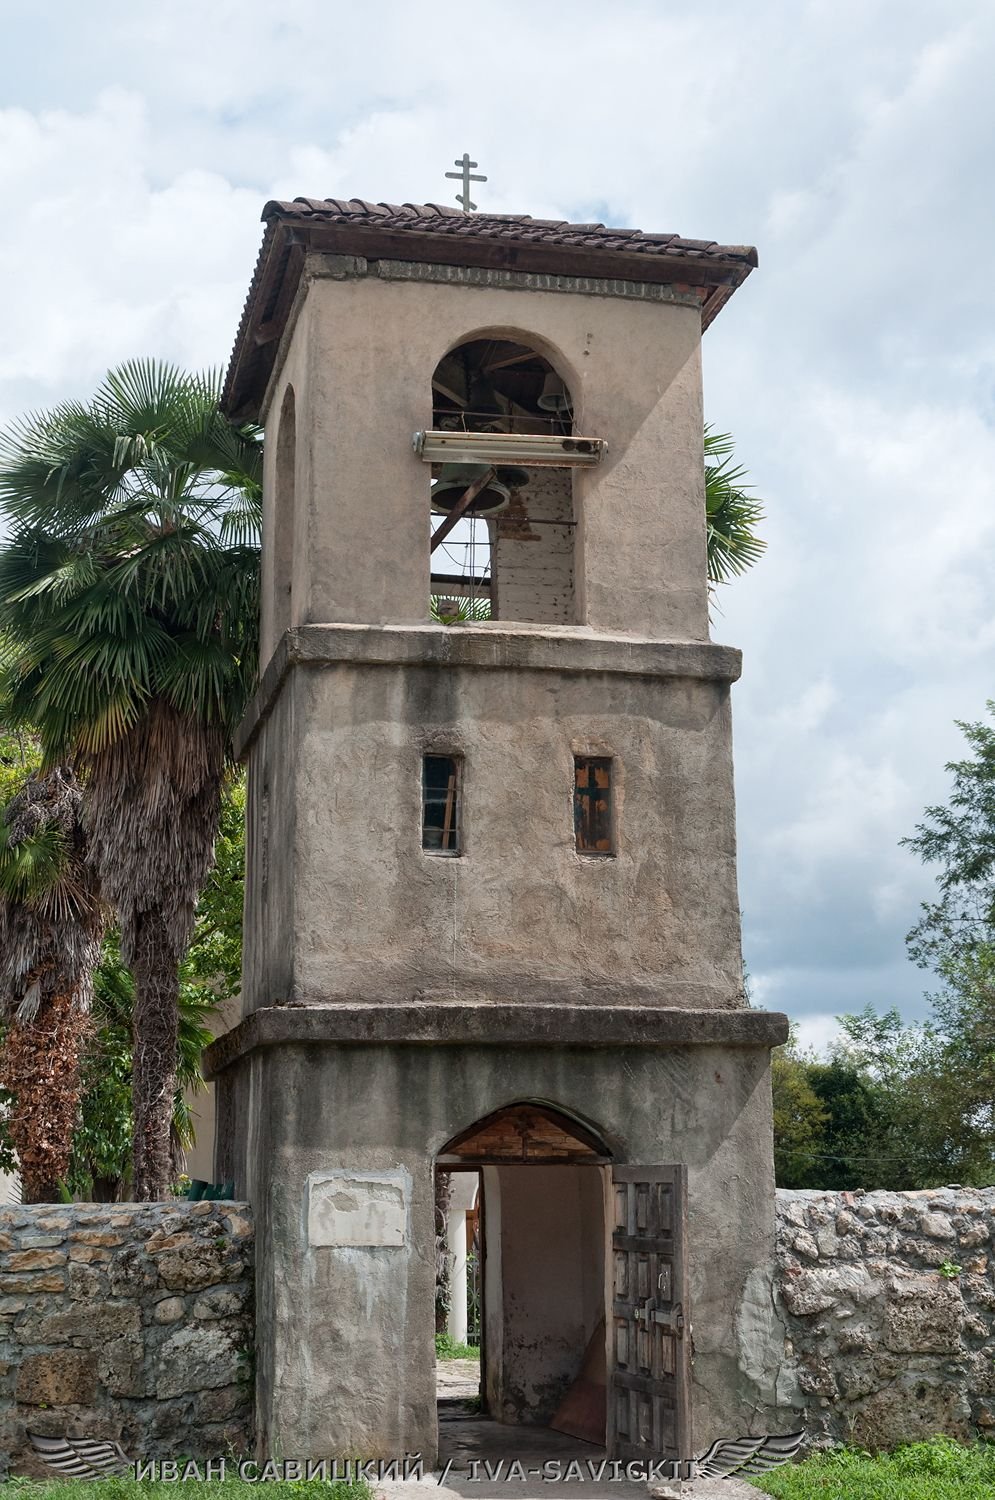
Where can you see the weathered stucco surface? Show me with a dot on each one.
(882, 1315)
(129, 1321)
(335, 790)
(360, 360)
(392, 998)
(345, 1335)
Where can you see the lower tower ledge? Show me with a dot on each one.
(497, 1025)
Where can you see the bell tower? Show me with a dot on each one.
(492, 921)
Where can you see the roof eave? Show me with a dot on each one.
(278, 271)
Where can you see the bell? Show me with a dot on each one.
(453, 483)
(554, 395)
(514, 478)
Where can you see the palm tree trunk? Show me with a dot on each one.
(154, 1065)
(40, 1065)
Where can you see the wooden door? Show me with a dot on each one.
(649, 1393)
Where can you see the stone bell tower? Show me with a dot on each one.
(491, 907)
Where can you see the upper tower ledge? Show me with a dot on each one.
(492, 645)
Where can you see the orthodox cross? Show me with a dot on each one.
(464, 163)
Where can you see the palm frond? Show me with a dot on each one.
(731, 513)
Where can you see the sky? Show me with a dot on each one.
(852, 143)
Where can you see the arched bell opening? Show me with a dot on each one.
(542, 1215)
(502, 525)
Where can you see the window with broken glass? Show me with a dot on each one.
(441, 804)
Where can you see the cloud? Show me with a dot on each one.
(856, 368)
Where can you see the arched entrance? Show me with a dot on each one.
(543, 1208)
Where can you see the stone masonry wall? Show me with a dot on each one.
(126, 1321)
(884, 1314)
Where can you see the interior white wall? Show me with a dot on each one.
(544, 1289)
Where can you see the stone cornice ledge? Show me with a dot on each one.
(493, 1025)
(507, 647)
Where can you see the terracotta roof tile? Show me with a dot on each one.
(379, 230)
(438, 218)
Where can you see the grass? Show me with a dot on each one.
(226, 1489)
(445, 1348)
(937, 1470)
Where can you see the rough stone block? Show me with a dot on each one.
(169, 1310)
(68, 1378)
(912, 1409)
(937, 1227)
(51, 1281)
(88, 1325)
(192, 1270)
(33, 1260)
(163, 1241)
(222, 1303)
(806, 1296)
(89, 1254)
(197, 1359)
(237, 1226)
(924, 1316)
(132, 1273)
(53, 1218)
(86, 1283)
(97, 1237)
(219, 1405)
(120, 1368)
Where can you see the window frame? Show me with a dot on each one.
(456, 823)
(584, 796)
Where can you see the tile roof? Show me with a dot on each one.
(436, 232)
(439, 218)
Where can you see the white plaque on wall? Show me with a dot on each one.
(348, 1208)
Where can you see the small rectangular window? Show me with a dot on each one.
(440, 829)
(593, 804)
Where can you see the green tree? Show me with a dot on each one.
(924, 1131)
(955, 938)
(130, 582)
(799, 1119)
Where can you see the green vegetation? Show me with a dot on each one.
(900, 1106)
(731, 513)
(100, 1165)
(445, 1348)
(937, 1470)
(128, 607)
(888, 1109)
(225, 1489)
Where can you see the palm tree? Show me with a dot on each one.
(730, 513)
(131, 577)
(101, 1141)
(51, 924)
